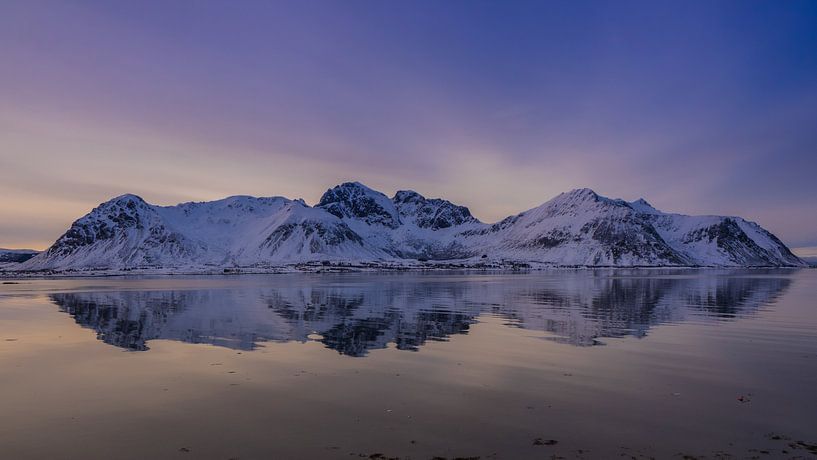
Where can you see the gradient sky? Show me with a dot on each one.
(700, 107)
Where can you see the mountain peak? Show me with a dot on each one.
(125, 198)
(407, 196)
(575, 197)
(641, 205)
(355, 185)
(433, 213)
(128, 203)
(582, 192)
(357, 201)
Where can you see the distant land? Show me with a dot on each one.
(807, 255)
(10, 257)
(354, 226)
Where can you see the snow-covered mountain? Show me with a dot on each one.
(353, 223)
(581, 227)
(127, 232)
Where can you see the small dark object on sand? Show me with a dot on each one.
(544, 442)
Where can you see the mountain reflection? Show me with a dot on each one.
(357, 314)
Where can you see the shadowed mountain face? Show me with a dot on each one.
(354, 314)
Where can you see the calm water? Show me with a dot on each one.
(577, 364)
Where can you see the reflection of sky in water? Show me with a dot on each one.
(361, 313)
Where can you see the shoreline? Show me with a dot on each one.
(359, 267)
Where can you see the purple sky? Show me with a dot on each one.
(700, 107)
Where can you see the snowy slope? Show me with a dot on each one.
(579, 228)
(126, 232)
(354, 223)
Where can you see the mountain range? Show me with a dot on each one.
(354, 224)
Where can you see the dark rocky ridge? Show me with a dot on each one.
(355, 200)
(434, 213)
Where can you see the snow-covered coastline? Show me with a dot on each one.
(356, 228)
(8, 274)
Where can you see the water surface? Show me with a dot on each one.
(578, 364)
